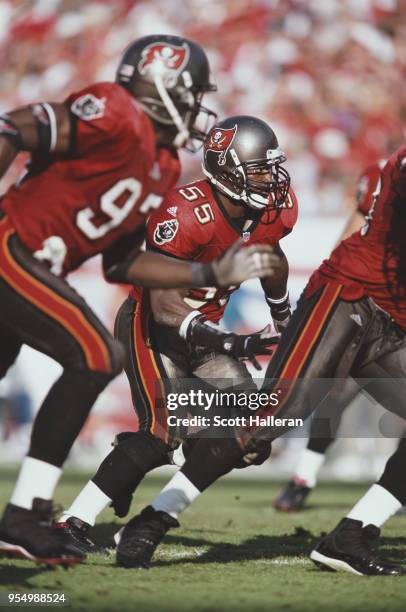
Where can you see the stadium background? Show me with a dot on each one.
(326, 75)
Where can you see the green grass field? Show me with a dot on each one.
(233, 552)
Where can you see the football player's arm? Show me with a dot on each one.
(150, 269)
(276, 292)
(169, 308)
(43, 128)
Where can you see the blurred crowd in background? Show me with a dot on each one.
(328, 76)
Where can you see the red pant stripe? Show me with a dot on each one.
(53, 305)
(149, 372)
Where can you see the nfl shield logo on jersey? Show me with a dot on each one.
(89, 107)
(166, 231)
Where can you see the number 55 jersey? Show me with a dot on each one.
(372, 261)
(192, 224)
(70, 207)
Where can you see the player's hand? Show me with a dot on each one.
(281, 324)
(241, 263)
(248, 346)
(255, 458)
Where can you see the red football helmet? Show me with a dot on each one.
(169, 76)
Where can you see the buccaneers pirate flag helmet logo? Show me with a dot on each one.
(219, 142)
(164, 59)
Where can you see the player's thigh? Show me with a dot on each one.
(326, 419)
(318, 335)
(223, 372)
(151, 374)
(46, 313)
(303, 370)
(385, 380)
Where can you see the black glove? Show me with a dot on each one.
(248, 346)
(202, 332)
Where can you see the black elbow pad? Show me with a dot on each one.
(117, 273)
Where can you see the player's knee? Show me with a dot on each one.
(146, 451)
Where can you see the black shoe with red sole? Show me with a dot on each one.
(31, 534)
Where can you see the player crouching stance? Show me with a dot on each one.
(101, 161)
(349, 323)
(171, 337)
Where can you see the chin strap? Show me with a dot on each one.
(231, 194)
(183, 132)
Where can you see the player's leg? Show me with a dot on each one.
(47, 314)
(346, 548)
(134, 453)
(319, 322)
(144, 532)
(323, 428)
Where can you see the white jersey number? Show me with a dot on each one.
(116, 214)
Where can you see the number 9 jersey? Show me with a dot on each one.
(192, 224)
(70, 207)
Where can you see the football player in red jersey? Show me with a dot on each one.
(324, 426)
(101, 161)
(350, 321)
(197, 222)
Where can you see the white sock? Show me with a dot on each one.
(375, 507)
(36, 479)
(88, 504)
(176, 496)
(309, 467)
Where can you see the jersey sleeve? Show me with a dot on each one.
(399, 171)
(366, 187)
(173, 229)
(288, 216)
(100, 115)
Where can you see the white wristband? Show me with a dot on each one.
(186, 322)
(279, 300)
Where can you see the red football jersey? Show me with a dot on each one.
(373, 260)
(192, 224)
(102, 190)
(367, 184)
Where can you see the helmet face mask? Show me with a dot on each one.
(242, 159)
(168, 75)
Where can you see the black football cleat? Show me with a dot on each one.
(31, 534)
(292, 497)
(76, 531)
(141, 536)
(348, 549)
